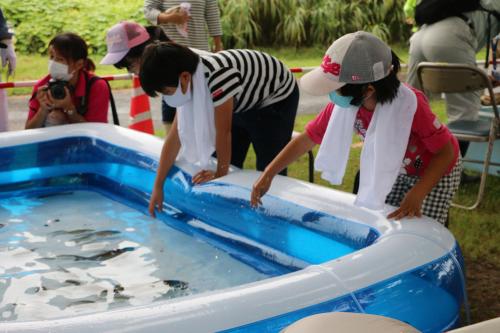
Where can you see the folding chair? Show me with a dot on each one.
(459, 78)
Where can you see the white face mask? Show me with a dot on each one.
(178, 98)
(59, 71)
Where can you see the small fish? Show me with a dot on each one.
(111, 254)
(71, 232)
(97, 234)
(98, 257)
(176, 284)
(73, 282)
(83, 301)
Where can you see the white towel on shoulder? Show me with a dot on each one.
(383, 151)
(196, 123)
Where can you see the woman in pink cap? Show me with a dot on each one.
(409, 159)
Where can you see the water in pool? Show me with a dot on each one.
(80, 252)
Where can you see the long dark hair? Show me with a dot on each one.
(156, 34)
(386, 89)
(163, 63)
(72, 47)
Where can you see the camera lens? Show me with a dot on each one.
(57, 89)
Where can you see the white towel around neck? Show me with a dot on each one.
(383, 151)
(196, 123)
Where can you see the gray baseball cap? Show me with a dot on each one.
(359, 57)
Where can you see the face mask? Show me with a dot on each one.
(342, 101)
(59, 71)
(178, 98)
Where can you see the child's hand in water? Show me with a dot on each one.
(411, 206)
(203, 176)
(156, 201)
(260, 187)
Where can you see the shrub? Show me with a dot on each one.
(36, 22)
(245, 23)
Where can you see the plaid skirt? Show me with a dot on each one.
(437, 203)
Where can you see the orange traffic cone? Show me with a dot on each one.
(140, 114)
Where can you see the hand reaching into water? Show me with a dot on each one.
(156, 201)
(260, 187)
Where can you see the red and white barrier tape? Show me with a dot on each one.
(301, 69)
(19, 84)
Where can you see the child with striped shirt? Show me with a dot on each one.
(225, 101)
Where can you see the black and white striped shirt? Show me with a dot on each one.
(255, 79)
(205, 15)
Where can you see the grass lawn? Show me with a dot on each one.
(478, 232)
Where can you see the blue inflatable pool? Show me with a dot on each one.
(318, 252)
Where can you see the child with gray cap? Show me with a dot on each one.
(409, 159)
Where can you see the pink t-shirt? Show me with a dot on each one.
(98, 99)
(427, 134)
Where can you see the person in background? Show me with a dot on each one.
(226, 101)
(455, 39)
(409, 159)
(126, 42)
(65, 95)
(409, 10)
(8, 56)
(188, 23)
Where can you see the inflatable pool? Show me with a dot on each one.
(310, 249)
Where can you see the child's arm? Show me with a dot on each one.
(223, 120)
(292, 151)
(412, 202)
(169, 153)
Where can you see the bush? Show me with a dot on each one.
(245, 23)
(37, 22)
(309, 22)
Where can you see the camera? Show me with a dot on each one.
(56, 88)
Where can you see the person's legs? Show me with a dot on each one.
(416, 56)
(452, 41)
(3, 110)
(240, 140)
(355, 186)
(167, 115)
(273, 129)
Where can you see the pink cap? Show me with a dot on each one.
(121, 38)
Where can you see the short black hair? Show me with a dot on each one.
(386, 89)
(163, 63)
(155, 34)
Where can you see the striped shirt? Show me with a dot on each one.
(204, 15)
(255, 79)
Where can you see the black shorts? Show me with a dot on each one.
(268, 129)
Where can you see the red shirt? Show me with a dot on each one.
(98, 99)
(427, 134)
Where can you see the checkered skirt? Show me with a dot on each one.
(437, 203)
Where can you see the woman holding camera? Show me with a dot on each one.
(70, 93)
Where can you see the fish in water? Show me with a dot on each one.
(98, 257)
(176, 284)
(71, 232)
(96, 234)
